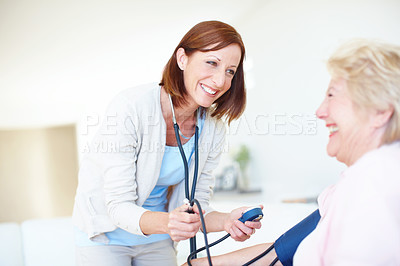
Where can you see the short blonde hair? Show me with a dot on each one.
(372, 72)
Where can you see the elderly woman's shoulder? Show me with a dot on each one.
(382, 166)
(385, 153)
(389, 152)
(384, 161)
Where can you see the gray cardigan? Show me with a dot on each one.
(117, 178)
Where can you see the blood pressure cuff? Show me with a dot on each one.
(286, 245)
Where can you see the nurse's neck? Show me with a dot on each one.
(182, 113)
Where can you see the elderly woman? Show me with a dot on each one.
(360, 215)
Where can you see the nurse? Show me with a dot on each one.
(129, 203)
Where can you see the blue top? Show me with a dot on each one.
(171, 173)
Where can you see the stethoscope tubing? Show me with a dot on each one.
(188, 196)
(185, 164)
(196, 167)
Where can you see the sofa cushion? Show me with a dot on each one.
(10, 245)
(48, 242)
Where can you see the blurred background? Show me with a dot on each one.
(61, 62)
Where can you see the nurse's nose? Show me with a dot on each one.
(219, 78)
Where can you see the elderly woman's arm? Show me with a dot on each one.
(241, 256)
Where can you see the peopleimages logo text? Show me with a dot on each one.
(259, 124)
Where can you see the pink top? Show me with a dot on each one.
(360, 215)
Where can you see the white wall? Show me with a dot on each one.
(63, 60)
(70, 57)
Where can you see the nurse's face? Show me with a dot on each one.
(208, 75)
(351, 131)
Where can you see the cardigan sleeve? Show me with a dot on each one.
(118, 165)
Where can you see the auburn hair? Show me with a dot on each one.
(208, 36)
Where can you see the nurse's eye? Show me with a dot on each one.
(213, 63)
(230, 72)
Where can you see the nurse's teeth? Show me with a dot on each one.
(208, 90)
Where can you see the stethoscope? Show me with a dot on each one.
(178, 133)
(250, 215)
(189, 197)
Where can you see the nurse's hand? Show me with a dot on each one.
(238, 230)
(183, 225)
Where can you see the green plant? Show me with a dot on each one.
(242, 157)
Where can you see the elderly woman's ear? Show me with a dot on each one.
(382, 117)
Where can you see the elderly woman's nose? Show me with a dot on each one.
(322, 111)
